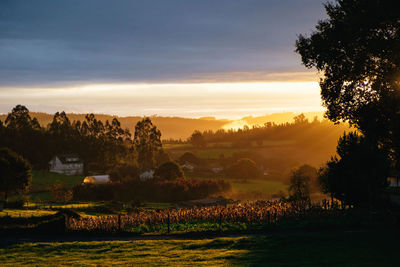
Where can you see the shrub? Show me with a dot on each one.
(169, 171)
(243, 169)
(152, 190)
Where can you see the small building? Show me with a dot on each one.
(188, 166)
(394, 179)
(97, 179)
(146, 175)
(66, 164)
(217, 170)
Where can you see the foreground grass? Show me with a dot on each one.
(306, 249)
(25, 213)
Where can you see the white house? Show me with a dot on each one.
(146, 175)
(97, 179)
(66, 164)
(188, 166)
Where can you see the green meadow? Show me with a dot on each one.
(303, 249)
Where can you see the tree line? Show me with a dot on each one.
(100, 145)
(300, 132)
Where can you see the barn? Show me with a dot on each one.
(68, 164)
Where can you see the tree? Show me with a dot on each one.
(189, 157)
(359, 175)
(243, 169)
(302, 183)
(357, 51)
(169, 171)
(124, 172)
(19, 119)
(15, 173)
(161, 157)
(197, 139)
(147, 142)
(59, 193)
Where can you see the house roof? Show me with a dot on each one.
(69, 158)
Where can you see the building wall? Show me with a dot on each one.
(69, 169)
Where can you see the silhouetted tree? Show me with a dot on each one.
(19, 119)
(147, 142)
(302, 183)
(161, 157)
(197, 139)
(124, 172)
(15, 173)
(189, 157)
(24, 135)
(243, 169)
(169, 171)
(359, 174)
(357, 52)
(300, 119)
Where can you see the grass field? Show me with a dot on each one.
(25, 213)
(304, 249)
(44, 179)
(214, 150)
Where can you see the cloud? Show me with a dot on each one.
(46, 42)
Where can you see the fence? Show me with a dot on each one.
(254, 212)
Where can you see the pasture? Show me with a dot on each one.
(44, 179)
(287, 249)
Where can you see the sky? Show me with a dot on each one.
(187, 58)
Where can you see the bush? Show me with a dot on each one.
(169, 171)
(152, 190)
(16, 203)
(124, 172)
(243, 169)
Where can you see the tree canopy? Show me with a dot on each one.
(243, 169)
(147, 142)
(357, 52)
(197, 139)
(359, 174)
(302, 183)
(169, 171)
(94, 141)
(15, 172)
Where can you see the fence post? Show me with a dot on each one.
(119, 223)
(220, 219)
(168, 223)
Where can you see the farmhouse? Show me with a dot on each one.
(146, 175)
(66, 164)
